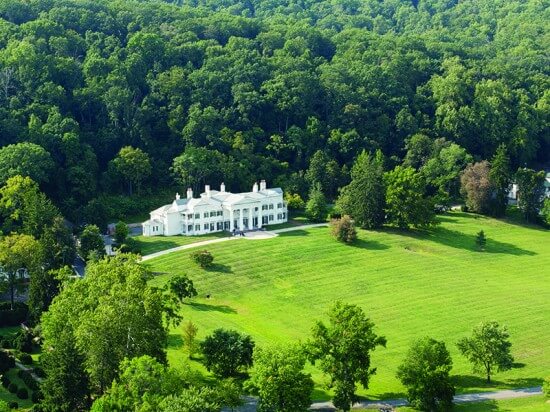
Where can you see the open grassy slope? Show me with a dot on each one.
(410, 284)
(152, 244)
(531, 404)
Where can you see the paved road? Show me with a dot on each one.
(250, 402)
(249, 236)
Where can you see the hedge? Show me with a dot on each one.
(13, 388)
(13, 317)
(26, 377)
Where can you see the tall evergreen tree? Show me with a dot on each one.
(316, 207)
(500, 176)
(364, 198)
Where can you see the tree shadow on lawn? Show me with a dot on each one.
(299, 232)
(219, 268)
(490, 405)
(175, 340)
(459, 240)
(369, 244)
(465, 382)
(204, 307)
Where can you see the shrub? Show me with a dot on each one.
(38, 371)
(23, 341)
(294, 201)
(227, 352)
(6, 362)
(25, 359)
(27, 378)
(5, 381)
(13, 388)
(343, 229)
(203, 258)
(481, 240)
(13, 405)
(23, 393)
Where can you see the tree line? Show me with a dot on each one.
(108, 97)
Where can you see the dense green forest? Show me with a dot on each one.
(237, 91)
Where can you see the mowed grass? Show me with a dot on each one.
(152, 244)
(410, 284)
(531, 404)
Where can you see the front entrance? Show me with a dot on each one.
(245, 222)
(255, 222)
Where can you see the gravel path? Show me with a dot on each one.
(250, 402)
(249, 235)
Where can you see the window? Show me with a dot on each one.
(264, 207)
(197, 215)
(226, 225)
(212, 214)
(270, 218)
(279, 216)
(270, 206)
(205, 214)
(190, 228)
(264, 219)
(255, 209)
(212, 227)
(279, 205)
(206, 226)
(197, 228)
(220, 213)
(190, 216)
(284, 215)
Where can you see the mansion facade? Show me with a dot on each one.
(216, 211)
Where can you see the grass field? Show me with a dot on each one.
(152, 244)
(410, 284)
(531, 404)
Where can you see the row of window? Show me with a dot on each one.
(220, 213)
(226, 225)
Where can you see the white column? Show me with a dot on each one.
(260, 215)
(231, 220)
(250, 218)
(241, 219)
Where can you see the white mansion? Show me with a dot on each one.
(215, 211)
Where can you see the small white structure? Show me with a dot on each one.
(216, 211)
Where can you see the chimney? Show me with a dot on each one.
(177, 196)
(263, 185)
(255, 187)
(189, 193)
(207, 190)
(222, 187)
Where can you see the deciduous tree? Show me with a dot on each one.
(227, 352)
(488, 349)
(425, 374)
(500, 176)
(134, 165)
(406, 202)
(477, 188)
(530, 192)
(343, 349)
(279, 381)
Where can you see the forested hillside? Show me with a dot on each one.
(243, 90)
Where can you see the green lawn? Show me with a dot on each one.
(531, 404)
(152, 244)
(410, 284)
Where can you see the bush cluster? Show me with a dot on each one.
(343, 229)
(5, 381)
(12, 387)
